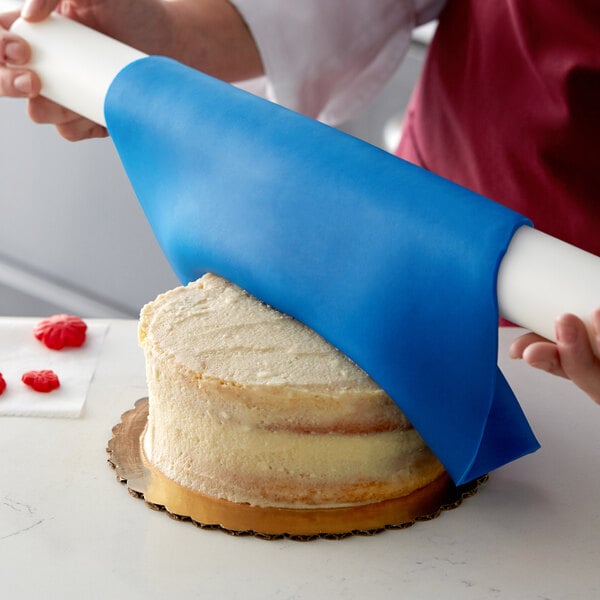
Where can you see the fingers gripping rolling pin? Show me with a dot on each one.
(75, 63)
(539, 278)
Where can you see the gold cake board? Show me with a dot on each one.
(143, 480)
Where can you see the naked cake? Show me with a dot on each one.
(250, 407)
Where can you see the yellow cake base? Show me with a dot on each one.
(145, 481)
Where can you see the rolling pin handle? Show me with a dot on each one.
(76, 64)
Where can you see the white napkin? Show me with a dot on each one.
(20, 351)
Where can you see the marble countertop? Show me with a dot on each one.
(69, 530)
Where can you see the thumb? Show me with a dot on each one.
(38, 10)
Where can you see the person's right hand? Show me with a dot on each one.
(574, 355)
(209, 35)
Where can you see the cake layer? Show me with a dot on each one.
(213, 328)
(242, 462)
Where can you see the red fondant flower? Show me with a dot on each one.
(59, 331)
(2, 384)
(41, 381)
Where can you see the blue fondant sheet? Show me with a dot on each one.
(390, 263)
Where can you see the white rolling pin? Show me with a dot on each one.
(540, 277)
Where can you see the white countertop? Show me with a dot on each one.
(69, 530)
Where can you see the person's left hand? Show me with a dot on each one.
(573, 356)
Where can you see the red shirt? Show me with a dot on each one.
(509, 106)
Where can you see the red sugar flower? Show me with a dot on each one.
(2, 384)
(41, 381)
(59, 331)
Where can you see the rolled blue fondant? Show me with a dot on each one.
(390, 263)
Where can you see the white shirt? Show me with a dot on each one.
(328, 58)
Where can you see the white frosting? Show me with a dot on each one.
(249, 405)
(214, 328)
